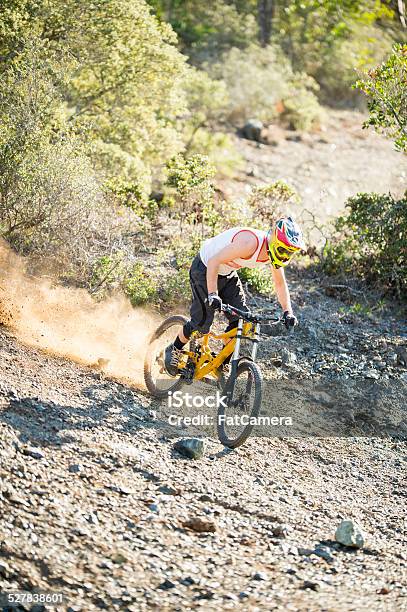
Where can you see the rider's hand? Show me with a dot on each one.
(289, 319)
(214, 301)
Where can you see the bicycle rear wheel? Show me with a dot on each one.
(158, 382)
(234, 422)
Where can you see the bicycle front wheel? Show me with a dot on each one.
(236, 421)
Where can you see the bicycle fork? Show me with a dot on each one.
(235, 358)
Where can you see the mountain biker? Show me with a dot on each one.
(214, 279)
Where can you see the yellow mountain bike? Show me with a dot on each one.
(242, 389)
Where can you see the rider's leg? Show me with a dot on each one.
(232, 293)
(201, 316)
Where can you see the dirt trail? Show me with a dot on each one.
(326, 167)
(95, 500)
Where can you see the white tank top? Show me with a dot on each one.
(212, 246)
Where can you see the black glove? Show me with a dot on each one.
(214, 301)
(289, 319)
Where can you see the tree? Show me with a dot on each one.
(386, 88)
(265, 14)
(126, 90)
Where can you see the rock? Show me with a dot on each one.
(188, 581)
(193, 448)
(200, 525)
(34, 452)
(403, 376)
(311, 584)
(309, 332)
(324, 553)
(280, 531)
(4, 570)
(167, 490)
(260, 576)
(167, 584)
(288, 357)
(349, 534)
(252, 130)
(401, 355)
(371, 373)
(296, 137)
(75, 468)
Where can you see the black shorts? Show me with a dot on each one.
(230, 291)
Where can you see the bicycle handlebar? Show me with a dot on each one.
(251, 317)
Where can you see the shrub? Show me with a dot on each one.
(266, 204)
(301, 107)
(139, 286)
(386, 89)
(220, 150)
(175, 287)
(259, 279)
(370, 242)
(364, 48)
(258, 80)
(127, 86)
(191, 181)
(52, 206)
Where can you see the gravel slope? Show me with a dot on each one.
(95, 501)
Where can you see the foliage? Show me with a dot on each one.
(125, 61)
(258, 80)
(220, 150)
(386, 88)
(301, 106)
(52, 206)
(207, 29)
(271, 202)
(370, 242)
(175, 287)
(130, 195)
(258, 279)
(308, 30)
(139, 286)
(191, 181)
(364, 47)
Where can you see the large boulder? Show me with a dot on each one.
(252, 130)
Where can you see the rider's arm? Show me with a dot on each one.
(281, 287)
(243, 246)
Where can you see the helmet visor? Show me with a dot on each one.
(279, 253)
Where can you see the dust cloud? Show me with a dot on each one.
(110, 336)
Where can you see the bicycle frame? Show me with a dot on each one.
(207, 364)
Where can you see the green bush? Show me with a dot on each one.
(190, 179)
(52, 206)
(302, 110)
(126, 88)
(364, 48)
(258, 80)
(370, 242)
(258, 279)
(175, 287)
(139, 286)
(268, 203)
(386, 89)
